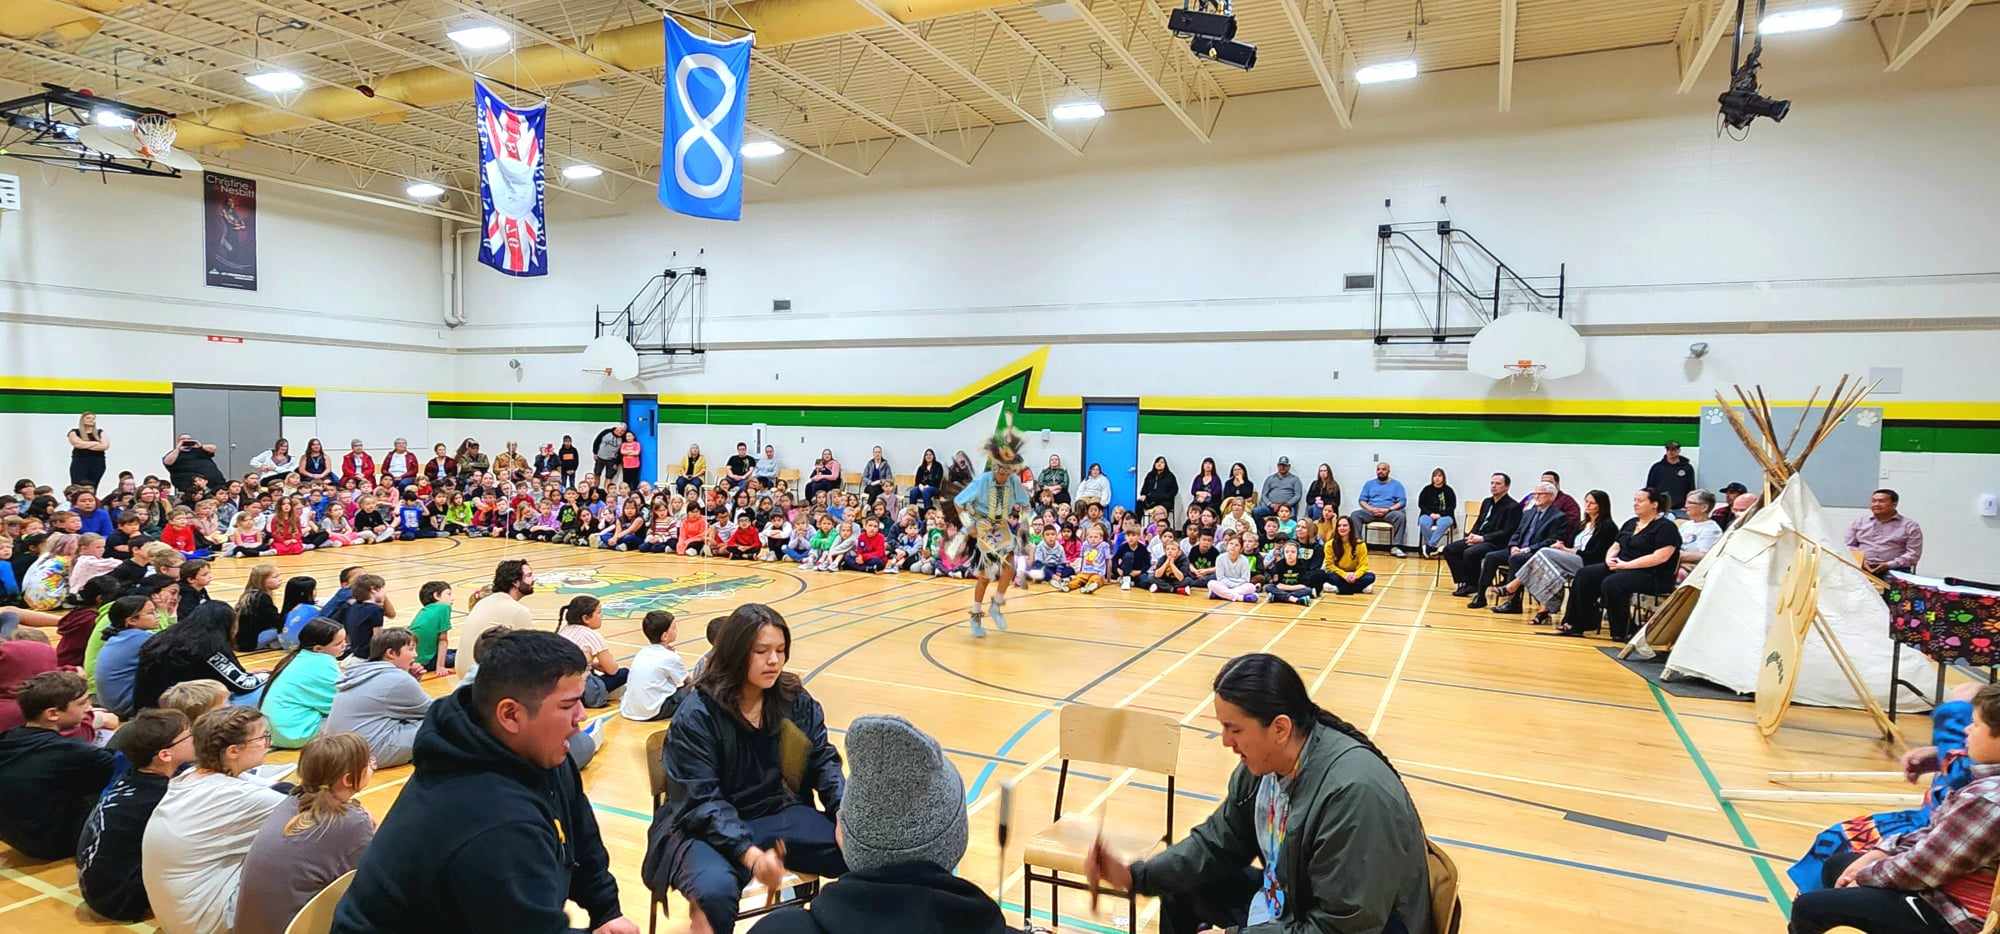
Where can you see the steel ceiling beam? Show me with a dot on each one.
(1702, 27)
(1327, 52)
(1165, 66)
(1940, 17)
(1012, 103)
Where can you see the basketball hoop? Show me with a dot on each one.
(1527, 370)
(155, 133)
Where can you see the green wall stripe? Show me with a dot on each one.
(1511, 430)
(298, 408)
(70, 403)
(1007, 393)
(1941, 439)
(529, 411)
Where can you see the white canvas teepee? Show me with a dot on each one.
(1723, 640)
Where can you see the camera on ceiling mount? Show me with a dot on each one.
(1210, 28)
(1745, 101)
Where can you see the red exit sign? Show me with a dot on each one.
(219, 339)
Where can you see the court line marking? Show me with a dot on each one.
(1783, 901)
(1586, 789)
(1607, 870)
(55, 892)
(1396, 674)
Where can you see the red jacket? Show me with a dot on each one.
(441, 468)
(409, 464)
(359, 465)
(179, 536)
(871, 546)
(746, 536)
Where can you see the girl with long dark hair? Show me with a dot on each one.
(727, 753)
(299, 695)
(1550, 570)
(1238, 486)
(929, 479)
(1640, 560)
(1340, 843)
(199, 647)
(1159, 488)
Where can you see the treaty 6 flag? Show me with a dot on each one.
(708, 86)
(514, 239)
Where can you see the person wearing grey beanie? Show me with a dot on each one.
(902, 829)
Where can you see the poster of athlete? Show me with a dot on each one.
(229, 214)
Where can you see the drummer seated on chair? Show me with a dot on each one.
(1935, 879)
(1887, 539)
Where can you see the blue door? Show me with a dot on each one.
(642, 415)
(1111, 439)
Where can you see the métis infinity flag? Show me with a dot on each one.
(511, 164)
(708, 87)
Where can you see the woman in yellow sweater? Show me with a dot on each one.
(1347, 560)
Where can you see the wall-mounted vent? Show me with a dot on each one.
(781, 304)
(10, 192)
(1358, 281)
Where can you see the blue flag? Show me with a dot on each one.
(707, 89)
(513, 237)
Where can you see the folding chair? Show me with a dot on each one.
(317, 915)
(1108, 736)
(805, 886)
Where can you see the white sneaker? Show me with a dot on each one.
(978, 631)
(1398, 552)
(1153, 588)
(999, 619)
(1124, 583)
(1090, 587)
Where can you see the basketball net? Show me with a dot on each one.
(1527, 371)
(155, 133)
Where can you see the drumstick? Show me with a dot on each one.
(1006, 819)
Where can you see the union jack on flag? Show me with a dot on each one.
(515, 239)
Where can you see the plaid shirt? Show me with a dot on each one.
(1962, 839)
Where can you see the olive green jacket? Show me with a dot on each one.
(1353, 853)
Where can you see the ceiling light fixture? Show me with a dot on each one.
(276, 82)
(1387, 71)
(761, 149)
(106, 117)
(1077, 110)
(581, 170)
(480, 37)
(423, 190)
(1800, 20)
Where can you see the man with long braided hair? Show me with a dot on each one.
(1313, 801)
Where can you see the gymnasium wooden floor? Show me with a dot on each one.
(1573, 796)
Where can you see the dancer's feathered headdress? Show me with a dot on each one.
(1003, 450)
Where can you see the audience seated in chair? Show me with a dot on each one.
(1383, 500)
(1499, 516)
(1540, 526)
(1640, 561)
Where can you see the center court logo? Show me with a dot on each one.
(628, 594)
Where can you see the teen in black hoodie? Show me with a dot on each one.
(493, 831)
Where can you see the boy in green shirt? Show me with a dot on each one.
(432, 627)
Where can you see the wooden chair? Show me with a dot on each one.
(850, 482)
(791, 477)
(317, 915)
(805, 885)
(1108, 736)
(1453, 534)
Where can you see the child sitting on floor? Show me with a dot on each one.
(844, 541)
(1232, 574)
(156, 743)
(1937, 878)
(745, 540)
(1170, 573)
(1093, 563)
(582, 617)
(871, 551)
(652, 692)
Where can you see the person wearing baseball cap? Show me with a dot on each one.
(1280, 489)
(901, 829)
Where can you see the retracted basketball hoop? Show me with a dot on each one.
(1525, 347)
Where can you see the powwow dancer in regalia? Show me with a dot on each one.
(991, 529)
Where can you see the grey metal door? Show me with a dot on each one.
(253, 425)
(204, 413)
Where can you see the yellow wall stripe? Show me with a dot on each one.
(151, 387)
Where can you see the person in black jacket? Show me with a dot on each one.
(1437, 510)
(929, 479)
(725, 753)
(1541, 525)
(1551, 569)
(1673, 475)
(48, 781)
(902, 830)
(1159, 488)
(195, 576)
(493, 831)
(1640, 561)
(157, 743)
(1499, 515)
(201, 647)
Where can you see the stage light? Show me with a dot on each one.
(581, 170)
(1077, 110)
(1225, 51)
(276, 82)
(110, 119)
(480, 37)
(423, 190)
(1387, 71)
(1800, 20)
(1190, 23)
(761, 149)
